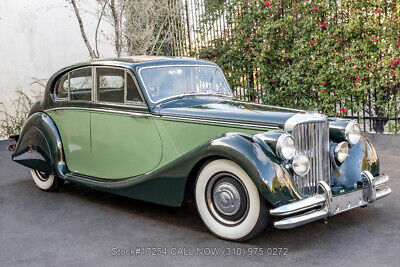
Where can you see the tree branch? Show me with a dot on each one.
(83, 33)
(116, 27)
(97, 28)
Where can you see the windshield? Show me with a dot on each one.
(165, 82)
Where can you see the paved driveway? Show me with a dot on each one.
(82, 226)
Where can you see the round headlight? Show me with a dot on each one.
(301, 164)
(341, 151)
(353, 133)
(285, 146)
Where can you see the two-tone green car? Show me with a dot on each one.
(167, 130)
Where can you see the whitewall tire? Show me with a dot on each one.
(228, 201)
(46, 182)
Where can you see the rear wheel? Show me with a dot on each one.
(45, 181)
(228, 201)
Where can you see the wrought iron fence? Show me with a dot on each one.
(195, 34)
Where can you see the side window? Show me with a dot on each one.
(110, 85)
(80, 82)
(61, 91)
(132, 92)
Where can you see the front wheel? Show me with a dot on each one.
(228, 201)
(46, 182)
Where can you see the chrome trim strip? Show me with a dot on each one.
(303, 118)
(383, 193)
(379, 181)
(295, 221)
(298, 206)
(218, 121)
(129, 113)
(182, 65)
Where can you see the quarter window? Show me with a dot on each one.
(132, 92)
(110, 85)
(62, 88)
(81, 82)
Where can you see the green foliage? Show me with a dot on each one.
(332, 56)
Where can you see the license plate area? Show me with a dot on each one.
(342, 203)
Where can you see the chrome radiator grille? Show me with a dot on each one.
(312, 139)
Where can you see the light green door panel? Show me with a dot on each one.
(123, 146)
(189, 135)
(74, 128)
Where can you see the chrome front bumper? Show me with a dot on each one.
(324, 205)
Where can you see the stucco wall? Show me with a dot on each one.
(38, 37)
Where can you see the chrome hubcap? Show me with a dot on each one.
(226, 198)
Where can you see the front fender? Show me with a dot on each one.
(39, 146)
(362, 157)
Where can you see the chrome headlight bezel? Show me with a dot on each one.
(285, 148)
(352, 133)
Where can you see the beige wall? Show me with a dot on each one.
(38, 37)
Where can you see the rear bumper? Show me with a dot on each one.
(324, 205)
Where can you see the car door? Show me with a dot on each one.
(73, 100)
(125, 141)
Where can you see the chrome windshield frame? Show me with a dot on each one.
(181, 95)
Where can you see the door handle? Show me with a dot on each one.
(139, 115)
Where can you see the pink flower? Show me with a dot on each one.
(398, 42)
(323, 24)
(398, 60)
(362, 29)
(336, 114)
(377, 11)
(258, 76)
(343, 110)
(348, 58)
(339, 40)
(295, 5)
(272, 80)
(393, 62)
(315, 8)
(357, 78)
(268, 3)
(311, 42)
(394, 4)
(375, 40)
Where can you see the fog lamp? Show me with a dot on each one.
(301, 164)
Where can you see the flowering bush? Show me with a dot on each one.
(333, 56)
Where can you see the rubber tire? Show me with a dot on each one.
(50, 185)
(257, 217)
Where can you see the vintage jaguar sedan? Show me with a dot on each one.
(167, 130)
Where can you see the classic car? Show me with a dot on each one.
(168, 130)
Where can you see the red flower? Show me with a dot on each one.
(258, 76)
(351, 10)
(398, 60)
(394, 4)
(311, 42)
(365, 77)
(398, 41)
(370, 68)
(295, 5)
(315, 8)
(268, 3)
(377, 11)
(322, 90)
(323, 24)
(348, 58)
(323, 84)
(339, 40)
(248, 39)
(393, 62)
(375, 40)
(299, 59)
(272, 80)
(362, 28)
(336, 114)
(343, 110)
(392, 72)
(357, 78)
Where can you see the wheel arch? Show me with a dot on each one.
(39, 146)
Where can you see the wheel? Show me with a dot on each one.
(228, 201)
(46, 182)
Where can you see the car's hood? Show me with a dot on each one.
(226, 110)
